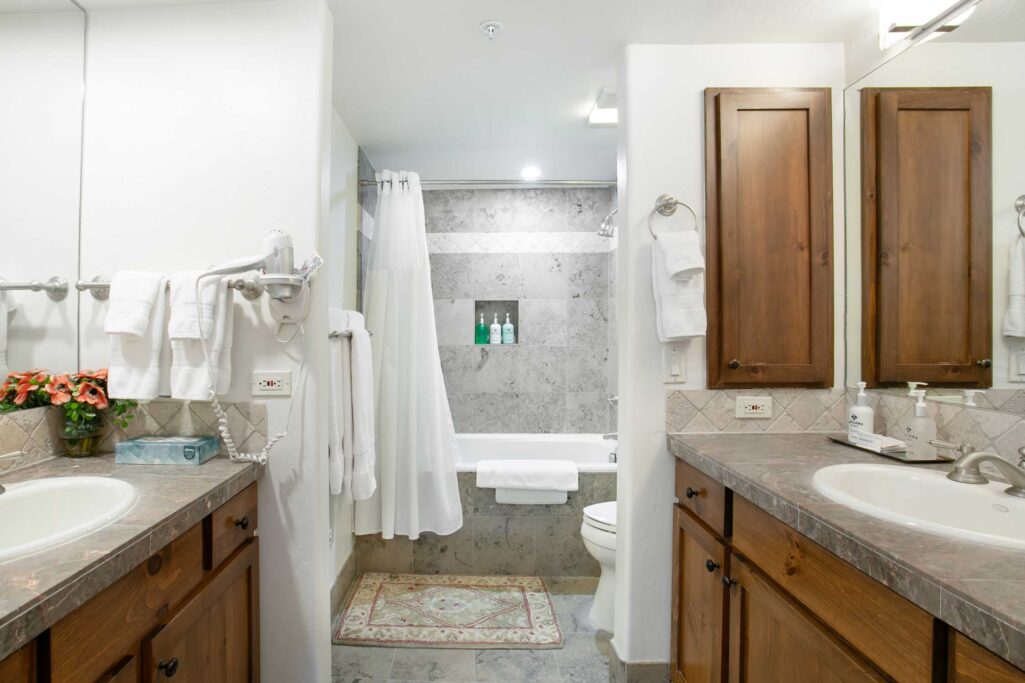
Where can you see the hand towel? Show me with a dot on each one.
(679, 303)
(191, 380)
(1014, 316)
(133, 295)
(682, 253)
(340, 409)
(352, 454)
(7, 308)
(135, 359)
(535, 475)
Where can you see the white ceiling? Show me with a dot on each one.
(10, 6)
(421, 88)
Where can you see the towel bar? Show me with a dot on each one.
(56, 287)
(99, 287)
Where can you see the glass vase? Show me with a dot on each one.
(81, 439)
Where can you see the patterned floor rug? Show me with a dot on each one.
(479, 612)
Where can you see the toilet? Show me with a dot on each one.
(599, 532)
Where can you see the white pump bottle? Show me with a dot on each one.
(860, 416)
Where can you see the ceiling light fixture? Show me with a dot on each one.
(530, 172)
(909, 19)
(604, 113)
(490, 28)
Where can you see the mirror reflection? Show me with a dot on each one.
(42, 46)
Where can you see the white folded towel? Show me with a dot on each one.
(190, 379)
(133, 295)
(679, 303)
(7, 309)
(534, 475)
(1014, 316)
(352, 454)
(134, 358)
(682, 253)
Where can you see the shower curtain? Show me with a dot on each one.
(416, 441)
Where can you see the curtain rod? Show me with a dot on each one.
(505, 183)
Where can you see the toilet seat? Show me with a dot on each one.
(601, 516)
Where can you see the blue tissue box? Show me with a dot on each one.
(166, 450)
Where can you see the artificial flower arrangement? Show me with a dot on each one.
(81, 395)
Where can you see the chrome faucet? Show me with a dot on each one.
(610, 436)
(966, 468)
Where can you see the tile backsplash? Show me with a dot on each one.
(793, 410)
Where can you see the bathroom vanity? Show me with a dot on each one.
(774, 582)
(170, 591)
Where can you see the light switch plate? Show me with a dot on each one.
(1016, 366)
(272, 383)
(674, 363)
(754, 407)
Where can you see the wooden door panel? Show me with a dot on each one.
(972, 663)
(19, 666)
(926, 214)
(769, 278)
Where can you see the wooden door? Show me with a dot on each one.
(699, 603)
(772, 639)
(769, 280)
(972, 663)
(926, 236)
(214, 637)
(19, 666)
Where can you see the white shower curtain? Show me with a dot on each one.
(416, 440)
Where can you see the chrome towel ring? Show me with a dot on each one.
(666, 205)
(1019, 204)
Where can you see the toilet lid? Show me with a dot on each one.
(601, 515)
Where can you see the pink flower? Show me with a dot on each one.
(59, 388)
(100, 374)
(92, 394)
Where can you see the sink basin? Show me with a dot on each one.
(42, 513)
(926, 500)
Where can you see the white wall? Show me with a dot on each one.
(41, 76)
(341, 257)
(661, 92)
(941, 64)
(207, 125)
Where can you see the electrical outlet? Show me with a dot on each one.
(754, 407)
(272, 383)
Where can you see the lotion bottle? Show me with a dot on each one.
(919, 430)
(496, 332)
(481, 333)
(508, 332)
(860, 416)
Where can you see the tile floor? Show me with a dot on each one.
(581, 660)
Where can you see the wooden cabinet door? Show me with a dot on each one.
(972, 663)
(699, 603)
(769, 279)
(772, 639)
(214, 637)
(927, 231)
(19, 666)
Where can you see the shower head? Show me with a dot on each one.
(607, 227)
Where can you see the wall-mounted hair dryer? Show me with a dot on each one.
(275, 263)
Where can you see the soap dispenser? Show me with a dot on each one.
(860, 416)
(496, 332)
(508, 332)
(481, 333)
(969, 396)
(919, 430)
(913, 387)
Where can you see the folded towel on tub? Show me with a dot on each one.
(535, 475)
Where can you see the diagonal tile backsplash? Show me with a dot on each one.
(793, 410)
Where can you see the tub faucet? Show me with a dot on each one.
(610, 436)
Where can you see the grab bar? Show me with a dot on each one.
(56, 287)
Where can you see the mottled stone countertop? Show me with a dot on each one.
(38, 590)
(978, 589)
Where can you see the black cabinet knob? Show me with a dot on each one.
(984, 363)
(242, 523)
(711, 566)
(691, 493)
(170, 667)
(727, 582)
(734, 364)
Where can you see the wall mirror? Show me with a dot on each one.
(42, 84)
(934, 143)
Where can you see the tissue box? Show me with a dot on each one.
(166, 450)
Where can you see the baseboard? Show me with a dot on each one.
(635, 672)
(344, 583)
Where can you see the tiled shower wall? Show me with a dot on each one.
(538, 247)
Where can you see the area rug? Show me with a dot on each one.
(479, 612)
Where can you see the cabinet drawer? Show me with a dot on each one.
(704, 496)
(228, 527)
(972, 663)
(890, 631)
(19, 666)
(92, 639)
(125, 671)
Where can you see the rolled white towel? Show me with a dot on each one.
(133, 295)
(534, 475)
(679, 303)
(681, 252)
(1014, 316)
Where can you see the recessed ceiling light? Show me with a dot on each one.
(490, 28)
(604, 112)
(530, 172)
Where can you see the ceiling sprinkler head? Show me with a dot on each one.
(490, 28)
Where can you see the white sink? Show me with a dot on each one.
(39, 514)
(926, 500)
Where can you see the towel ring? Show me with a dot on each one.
(666, 205)
(1019, 204)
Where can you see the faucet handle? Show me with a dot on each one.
(1021, 457)
(964, 448)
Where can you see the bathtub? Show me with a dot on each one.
(589, 451)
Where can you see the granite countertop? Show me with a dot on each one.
(38, 590)
(977, 589)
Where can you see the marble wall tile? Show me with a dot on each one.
(449, 211)
(505, 369)
(454, 321)
(504, 545)
(562, 551)
(585, 207)
(793, 410)
(586, 368)
(476, 276)
(543, 322)
(527, 210)
(453, 554)
(587, 412)
(587, 322)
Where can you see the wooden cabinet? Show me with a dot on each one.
(972, 663)
(769, 247)
(774, 640)
(20, 666)
(699, 599)
(926, 235)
